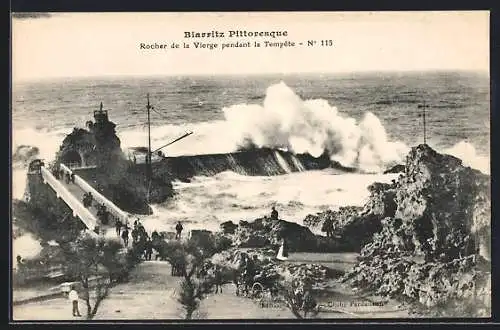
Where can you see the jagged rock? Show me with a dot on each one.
(355, 226)
(266, 232)
(429, 285)
(441, 204)
(427, 251)
(78, 147)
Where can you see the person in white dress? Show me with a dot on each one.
(283, 251)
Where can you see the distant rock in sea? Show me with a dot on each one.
(24, 155)
(395, 169)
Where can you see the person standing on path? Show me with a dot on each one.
(125, 236)
(148, 249)
(178, 229)
(118, 226)
(73, 296)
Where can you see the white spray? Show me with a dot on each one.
(313, 126)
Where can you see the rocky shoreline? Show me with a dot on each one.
(423, 239)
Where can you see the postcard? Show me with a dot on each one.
(250, 166)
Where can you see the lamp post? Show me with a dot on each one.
(424, 106)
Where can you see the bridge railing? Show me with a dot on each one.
(76, 165)
(98, 197)
(78, 209)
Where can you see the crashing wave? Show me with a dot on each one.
(23, 155)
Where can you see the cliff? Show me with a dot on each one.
(434, 250)
(443, 209)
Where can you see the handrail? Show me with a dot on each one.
(83, 213)
(111, 207)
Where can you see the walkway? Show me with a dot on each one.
(72, 194)
(151, 294)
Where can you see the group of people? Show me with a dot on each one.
(87, 199)
(329, 227)
(139, 236)
(103, 214)
(61, 174)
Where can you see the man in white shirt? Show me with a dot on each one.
(73, 296)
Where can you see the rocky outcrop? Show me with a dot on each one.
(79, 148)
(434, 248)
(355, 226)
(98, 145)
(113, 175)
(266, 232)
(442, 209)
(461, 287)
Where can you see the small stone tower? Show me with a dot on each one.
(101, 116)
(107, 144)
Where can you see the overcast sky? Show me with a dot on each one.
(97, 44)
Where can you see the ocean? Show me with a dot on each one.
(364, 120)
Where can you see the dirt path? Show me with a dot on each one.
(229, 306)
(152, 293)
(149, 294)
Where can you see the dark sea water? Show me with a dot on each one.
(376, 120)
(459, 101)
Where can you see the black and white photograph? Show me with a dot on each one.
(178, 166)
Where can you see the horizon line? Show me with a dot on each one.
(238, 74)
